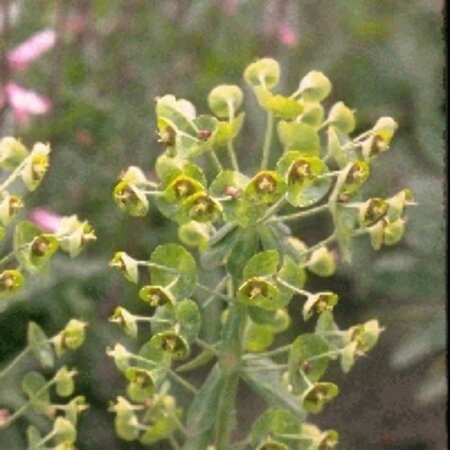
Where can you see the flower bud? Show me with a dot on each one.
(125, 320)
(342, 118)
(127, 265)
(314, 86)
(264, 72)
(10, 205)
(36, 166)
(225, 99)
(320, 302)
(12, 153)
(120, 355)
(181, 188)
(322, 262)
(64, 381)
(195, 234)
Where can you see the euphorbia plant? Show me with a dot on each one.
(29, 252)
(238, 227)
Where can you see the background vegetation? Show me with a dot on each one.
(112, 58)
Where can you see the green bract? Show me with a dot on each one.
(238, 225)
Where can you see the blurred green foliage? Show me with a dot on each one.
(113, 58)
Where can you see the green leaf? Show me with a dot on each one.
(33, 437)
(267, 385)
(245, 247)
(202, 411)
(348, 356)
(300, 137)
(258, 338)
(181, 265)
(262, 264)
(227, 131)
(215, 255)
(40, 345)
(281, 106)
(187, 314)
(272, 423)
(178, 113)
(33, 385)
(304, 356)
(158, 431)
(195, 234)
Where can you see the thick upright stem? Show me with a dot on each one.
(230, 360)
(267, 141)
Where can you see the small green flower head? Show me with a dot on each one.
(71, 337)
(127, 265)
(315, 86)
(265, 187)
(203, 208)
(225, 100)
(166, 133)
(12, 153)
(125, 320)
(320, 302)
(257, 291)
(36, 167)
(130, 199)
(195, 234)
(142, 383)
(11, 280)
(381, 137)
(328, 440)
(398, 202)
(126, 423)
(156, 296)
(181, 188)
(372, 211)
(64, 432)
(322, 262)
(315, 397)
(172, 343)
(264, 72)
(356, 177)
(342, 118)
(73, 234)
(10, 205)
(365, 335)
(120, 355)
(65, 384)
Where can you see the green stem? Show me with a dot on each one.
(182, 382)
(14, 174)
(213, 296)
(230, 361)
(267, 141)
(23, 408)
(232, 156)
(292, 288)
(272, 210)
(300, 214)
(268, 354)
(173, 443)
(221, 233)
(15, 362)
(215, 160)
(215, 293)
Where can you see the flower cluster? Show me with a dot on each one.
(239, 224)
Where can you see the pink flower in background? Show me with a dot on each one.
(45, 219)
(25, 102)
(229, 7)
(20, 57)
(287, 35)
